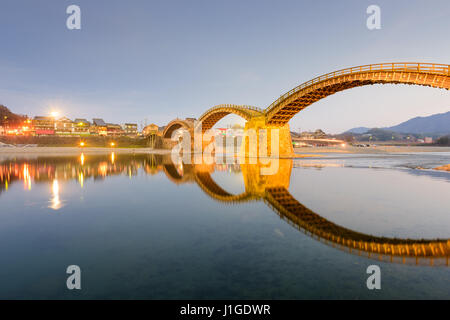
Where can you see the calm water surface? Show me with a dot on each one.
(140, 226)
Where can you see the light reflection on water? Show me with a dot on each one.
(55, 202)
(364, 212)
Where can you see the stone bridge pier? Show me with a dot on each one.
(271, 140)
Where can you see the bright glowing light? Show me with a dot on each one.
(180, 169)
(55, 202)
(82, 144)
(26, 177)
(343, 145)
(113, 157)
(112, 144)
(82, 159)
(54, 114)
(103, 168)
(81, 179)
(55, 186)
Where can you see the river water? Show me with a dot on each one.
(140, 226)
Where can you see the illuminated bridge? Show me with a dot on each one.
(278, 114)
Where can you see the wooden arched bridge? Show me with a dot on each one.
(278, 114)
(176, 124)
(213, 115)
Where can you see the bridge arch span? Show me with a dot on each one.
(212, 189)
(175, 176)
(289, 104)
(213, 115)
(175, 125)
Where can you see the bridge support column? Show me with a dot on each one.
(254, 130)
(256, 183)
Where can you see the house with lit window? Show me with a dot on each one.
(131, 129)
(114, 130)
(44, 126)
(81, 127)
(64, 126)
(99, 127)
(150, 130)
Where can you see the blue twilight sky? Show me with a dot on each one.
(157, 60)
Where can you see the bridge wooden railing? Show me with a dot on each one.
(442, 69)
(221, 106)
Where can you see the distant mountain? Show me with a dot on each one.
(359, 130)
(435, 124)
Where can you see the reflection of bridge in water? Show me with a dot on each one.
(272, 189)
